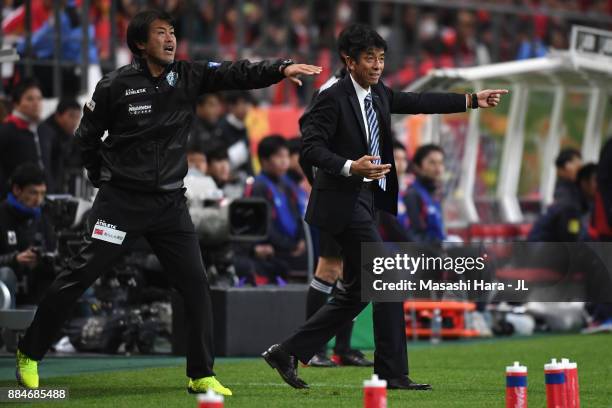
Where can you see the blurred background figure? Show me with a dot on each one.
(56, 134)
(568, 163)
(235, 135)
(26, 237)
(567, 219)
(220, 169)
(285, 248)
(205, 128)
(19, 139)
(423, 198)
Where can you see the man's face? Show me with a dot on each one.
(401, 161)
(69, 120)
(161, 43)
(197, 160)
(210, 109)
(30, 104)
(240, 109)
(432, 166)
(219, 170)
(570, 169)
(294, 162)
(32, 195)
(277, 164)
(589, 187)
(368, 68)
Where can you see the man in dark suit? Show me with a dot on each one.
(347, 135)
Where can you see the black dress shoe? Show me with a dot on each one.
(405, 383)
(321, 360)
(285, 364)
(352, 358)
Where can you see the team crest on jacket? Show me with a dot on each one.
(172, 78)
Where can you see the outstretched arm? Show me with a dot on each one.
(439, 102)
(248, 75)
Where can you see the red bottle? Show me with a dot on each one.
(375, 393)
(210, 400)
(554, 374)
(516, 386)
(571, 377)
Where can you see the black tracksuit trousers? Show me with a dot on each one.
(163, 220)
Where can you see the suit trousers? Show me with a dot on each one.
(390, 356)
(163, 220)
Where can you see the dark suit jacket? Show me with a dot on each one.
(333, 131)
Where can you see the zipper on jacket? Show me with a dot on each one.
(156, 164)
(155, 103)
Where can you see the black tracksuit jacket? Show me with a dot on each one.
(148, 119)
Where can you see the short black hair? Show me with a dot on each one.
(202, 98)
(295, 145)
(67, 104)
(358, 38)
(195, 146)
(27, 174)
(398, 145)
(566, 155)
(138, 29)
(217, 154)
(270, 145)
(24, 85)
(423, 151)
(586, 172)
(233, 97)
(343, 42)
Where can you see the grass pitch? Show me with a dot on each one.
(463, 374)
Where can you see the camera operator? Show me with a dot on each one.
(26, 237)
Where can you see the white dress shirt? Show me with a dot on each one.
(361, 95)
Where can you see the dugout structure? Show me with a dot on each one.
(584, 71)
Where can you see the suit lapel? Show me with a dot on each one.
(385, 130)
(382, 114)
(352, 97)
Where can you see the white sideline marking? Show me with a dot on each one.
(270, 384)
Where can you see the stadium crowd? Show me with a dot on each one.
(423, 36)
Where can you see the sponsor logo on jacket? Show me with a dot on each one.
(139, 108)
(108, 232)
(132, 91)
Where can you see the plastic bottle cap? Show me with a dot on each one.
(516, 368)
(210, 396)
(568, 364)
(375, 382)
(554, 365)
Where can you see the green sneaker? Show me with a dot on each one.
(201, 385)
(27, 371)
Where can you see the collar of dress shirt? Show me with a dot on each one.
(361, 93)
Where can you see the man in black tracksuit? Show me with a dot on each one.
(139, 165)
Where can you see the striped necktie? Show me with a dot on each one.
(374, 135)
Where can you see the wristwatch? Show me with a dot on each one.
(474, 101)
(284, 64)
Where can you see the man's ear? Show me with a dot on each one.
(141, 46)
(16, 190)
(350, 63)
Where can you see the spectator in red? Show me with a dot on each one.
(19, 141)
